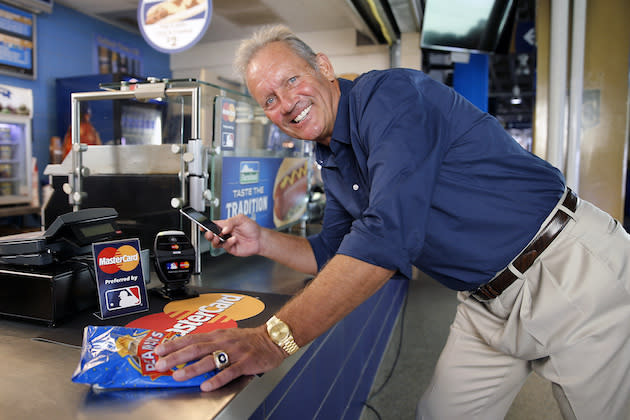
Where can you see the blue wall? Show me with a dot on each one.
(66, 47)
(471, 80)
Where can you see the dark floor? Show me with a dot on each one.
(429, 313)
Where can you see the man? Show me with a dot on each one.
(416, 175)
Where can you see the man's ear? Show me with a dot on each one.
(325, 66)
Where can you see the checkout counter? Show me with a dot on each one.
(330, 378)
(225, 160)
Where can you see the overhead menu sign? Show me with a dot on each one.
(172, 26)
(17, 42)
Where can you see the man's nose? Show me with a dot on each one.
(285, 102)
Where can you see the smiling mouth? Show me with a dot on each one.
(303, 114)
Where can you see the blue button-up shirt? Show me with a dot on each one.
(416, 175)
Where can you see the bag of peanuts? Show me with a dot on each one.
(120, 357)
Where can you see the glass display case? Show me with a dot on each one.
(194, 144)
(15, 160)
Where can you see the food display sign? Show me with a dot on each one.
(119, 278)
(270, 190)
(17, 42)
(15, 100)
(171, 26)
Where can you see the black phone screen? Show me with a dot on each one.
(204, 222)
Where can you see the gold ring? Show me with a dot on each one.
(221, 359)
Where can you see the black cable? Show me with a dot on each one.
(366, 403)
(374, 410)
(87, 261)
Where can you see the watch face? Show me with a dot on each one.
(279, 332)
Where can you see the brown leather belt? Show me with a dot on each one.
(526, 258)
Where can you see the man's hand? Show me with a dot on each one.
(250, 351)
(249, 238)
(245, 240)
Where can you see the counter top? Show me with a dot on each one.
(35, 382)
(6, 211)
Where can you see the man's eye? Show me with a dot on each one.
(292, 79)
(270, 101)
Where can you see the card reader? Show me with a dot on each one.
(174, 264)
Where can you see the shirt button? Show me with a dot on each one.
(355, 187)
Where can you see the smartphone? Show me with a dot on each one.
(204, 222)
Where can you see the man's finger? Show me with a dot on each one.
(222, 378)
(177, 343)
(181, 355)
(200, 367)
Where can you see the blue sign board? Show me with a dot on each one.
(270, 190)
(17, 42)
(247, 188)
(525, 38)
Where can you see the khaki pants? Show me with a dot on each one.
(566, 318)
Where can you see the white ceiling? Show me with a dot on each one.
(236, 19)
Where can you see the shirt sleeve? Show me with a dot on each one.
(335, 225)
(399, 134)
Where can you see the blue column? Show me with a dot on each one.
(471, 80)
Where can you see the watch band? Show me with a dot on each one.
(290, 346)
(280, 333)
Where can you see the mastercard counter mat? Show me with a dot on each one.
(114, 357)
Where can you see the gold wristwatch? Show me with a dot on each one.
(280, 333)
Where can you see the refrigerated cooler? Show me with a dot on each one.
(15, 160)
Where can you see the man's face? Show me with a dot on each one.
(300, 100)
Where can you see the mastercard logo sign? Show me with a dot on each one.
(112, 260)
(229, 112)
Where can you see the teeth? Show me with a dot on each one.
(303, 114)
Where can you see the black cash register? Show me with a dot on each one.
(48, 276)
(71, 234)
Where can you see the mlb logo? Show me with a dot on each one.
(228, 140)
(123, 297)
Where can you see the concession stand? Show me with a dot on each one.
(183, 143)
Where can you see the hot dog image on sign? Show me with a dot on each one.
(173, 25)
(290, 191)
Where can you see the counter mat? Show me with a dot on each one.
(70, 331)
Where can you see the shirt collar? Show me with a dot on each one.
(341, 130)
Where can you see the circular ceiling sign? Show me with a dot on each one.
(173, 25)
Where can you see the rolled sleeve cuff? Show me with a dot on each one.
(371, 249)
(321, 251)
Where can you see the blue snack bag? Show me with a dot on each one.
(120, 357)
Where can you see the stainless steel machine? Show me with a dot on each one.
(218, 153)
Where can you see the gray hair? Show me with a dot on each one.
(266, 35)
